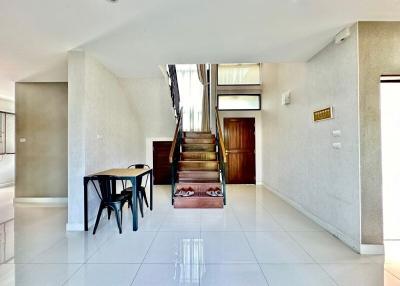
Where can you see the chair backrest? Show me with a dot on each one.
(140, 166)
(105, 189)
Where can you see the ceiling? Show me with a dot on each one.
(133, 37)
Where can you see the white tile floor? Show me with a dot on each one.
(256, 240)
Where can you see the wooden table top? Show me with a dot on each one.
(122, 172)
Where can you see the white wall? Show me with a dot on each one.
(150, 99)
(104, 131)
(300, 163)
(7, 162)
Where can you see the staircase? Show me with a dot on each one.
(198, 171)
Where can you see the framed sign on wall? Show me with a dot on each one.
(323, 114)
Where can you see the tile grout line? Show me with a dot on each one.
(315, 262)
(252, 250)
(298, 244)
(87, 259)
(144, 257)
(391, 274)
(73, 274)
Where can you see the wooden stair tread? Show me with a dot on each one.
(198, 161)
(185, 185)
(198, 135)
(198, 172)
(199, 156)
(198, 147)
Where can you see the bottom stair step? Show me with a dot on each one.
(198, 187)
(199, 200)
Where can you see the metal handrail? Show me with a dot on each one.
(221, 138)
(176, 136)
(221, 153)
(174, 154)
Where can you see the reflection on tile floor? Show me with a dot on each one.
(256, 240)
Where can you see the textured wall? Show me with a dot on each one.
(41, 162)
(104, 130)
(298, 159)
(379, 54)
(76, 137)
(150, 99)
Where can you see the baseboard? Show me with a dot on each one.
(42, 201)
(372, 249)
(74, 227)
(79, 226)
(6, 185)
(331, 229)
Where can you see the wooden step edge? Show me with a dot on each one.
(199, 161)
(198, 184)
(211, 144)
(198, 132)
(198, 180)
(205, 172)
(202, 152)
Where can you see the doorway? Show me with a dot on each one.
(390, 140)
(161, 165)
(239, 135)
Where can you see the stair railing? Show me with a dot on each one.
(174, 154)
(222, 158)
(174, 88)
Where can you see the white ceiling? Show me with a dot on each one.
(133, 37)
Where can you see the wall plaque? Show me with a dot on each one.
(323, 114)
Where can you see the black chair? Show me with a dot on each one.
(141, 190)
(108, 200)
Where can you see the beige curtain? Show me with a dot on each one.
(205, 119)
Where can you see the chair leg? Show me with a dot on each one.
(144, 196)
(120, 211)
(140, 202)
(132, 211)
(118, 219)
(98, 218)
(122, 214)
(109, 212)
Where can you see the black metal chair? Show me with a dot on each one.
(108, 200)
(141, 190)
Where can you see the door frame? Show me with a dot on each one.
(253, 118)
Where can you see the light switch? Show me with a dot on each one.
(336, 133)
(337, 145)
(286, 97)
(22, 140)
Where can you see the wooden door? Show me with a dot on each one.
(239, 134)
(161, 165)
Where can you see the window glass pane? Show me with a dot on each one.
(239, 102)
(191, 97)
(2, 133)
(238, 74)
(10, 130)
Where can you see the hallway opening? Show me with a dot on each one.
(390, 133)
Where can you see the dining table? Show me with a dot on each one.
(132, 175)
